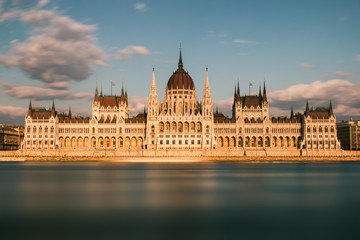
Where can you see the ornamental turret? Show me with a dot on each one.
(207, 102)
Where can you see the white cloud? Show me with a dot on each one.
(244, 41)
(224, 106)
(38, 93)
(137, 104)
(341, 92)
(42, 3)
(341, 74)
(58, 49)
(126, 53)
(141, 7)
(307, 65)
(12, 111)
(9, 15)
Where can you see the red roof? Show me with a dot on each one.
(41, 113)
(251, 101)
(180, 80)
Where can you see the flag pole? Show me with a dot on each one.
(249, 88)
(111, 88)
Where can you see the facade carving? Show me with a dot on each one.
(180, 122)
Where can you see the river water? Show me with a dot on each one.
(179, 200)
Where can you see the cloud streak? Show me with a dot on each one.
(244, 41)
(341, 74)
(38, 93)
(126, 53)
(141, 7)
(307, 65)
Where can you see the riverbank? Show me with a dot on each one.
(186, 156)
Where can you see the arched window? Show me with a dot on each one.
(28, 130)
(40, 129)
(314, 129)
(46, 129)
(332, 129)
(52, 130)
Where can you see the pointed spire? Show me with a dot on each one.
(101, 94)
(30, 106)
(126, 100)
(264, 93)
(153, 78)
(238, 89)
(96, 93)
(69, 111)
(53, 105)
(217, 110)
(259, 90)
(122, 96)
(207, 79)
(235, 93)
(331, 112)
(307, 105)
(180, 65)
(291, 112)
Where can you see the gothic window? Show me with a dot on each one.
(40, 129)
(314, 129)
(198, 127)
(308, 129)
(46, 129)
(152, 129)
(326, 129)
(192, 127)
(167, 127)
(320, 129)
(161, 127)
(28, 130)
(332, 129)
(180, 127)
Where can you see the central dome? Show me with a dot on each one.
(180, 79)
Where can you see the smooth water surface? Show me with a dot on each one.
(175, 200)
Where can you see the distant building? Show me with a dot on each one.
(181, 122)
(348, 133)
(11, 137)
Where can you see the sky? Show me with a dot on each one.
(60, 49)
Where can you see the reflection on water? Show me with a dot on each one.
(214, 200)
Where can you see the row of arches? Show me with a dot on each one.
(102, 142)
(40, 129)
(320, 129)
(181, 127)
(249, 142)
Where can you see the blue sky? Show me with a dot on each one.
(60, 48)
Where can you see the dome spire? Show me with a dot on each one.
(180, 65)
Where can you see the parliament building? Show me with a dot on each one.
(180, 123)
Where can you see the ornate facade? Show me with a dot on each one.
(180, 122)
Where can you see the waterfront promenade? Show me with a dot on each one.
(189, 155)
